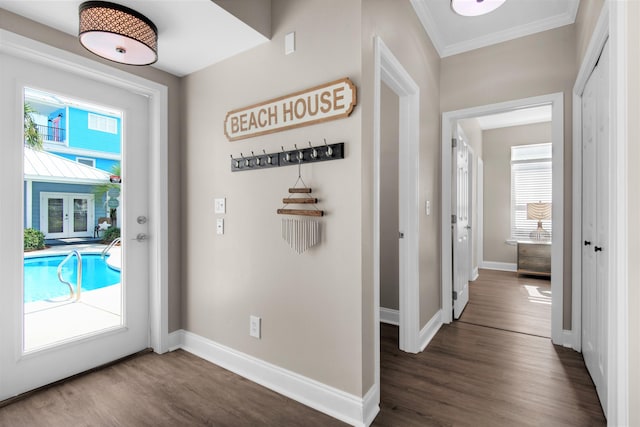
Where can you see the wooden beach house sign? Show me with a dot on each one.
(330, 101)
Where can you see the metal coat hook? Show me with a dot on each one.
(287, 156)
(269, 158)
(329, 149)
(296, 155)
(314, 152)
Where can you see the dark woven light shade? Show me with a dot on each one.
(118, 33)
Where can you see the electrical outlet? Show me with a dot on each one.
(220, 226)
(428, 207)
(220, 205)
(255, 326)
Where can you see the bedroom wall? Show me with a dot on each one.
(310, 304)
(497, 145)
(538, 64)
(35, 31)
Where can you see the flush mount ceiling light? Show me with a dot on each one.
(118, 33)
(475, 7)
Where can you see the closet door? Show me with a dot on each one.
(595, 224)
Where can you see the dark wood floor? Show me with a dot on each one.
(469, 375)
(503, 300)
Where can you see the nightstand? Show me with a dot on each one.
(534, 257)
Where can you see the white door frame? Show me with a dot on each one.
(449, 118)
(44, 214)
(22, 47)
(612, 26)
(480, 214)
(389, 70)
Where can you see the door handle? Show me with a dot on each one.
(597, 249)
(468, 227)
(141, 237)
(587, 243)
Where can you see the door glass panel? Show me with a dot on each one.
(72, 290)
(55, 215)
(80, 215)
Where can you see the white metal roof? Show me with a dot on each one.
(44, 166)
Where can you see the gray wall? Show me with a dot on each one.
(19, 25)
(310, 304)
(497, 145)
(389, 226)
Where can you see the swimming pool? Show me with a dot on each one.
(41, 276)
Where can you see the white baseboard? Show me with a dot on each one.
(175, 340)
(430, 329)
(475, 274)
(501, 266)
(354, 410)
(390, 316)
(371, 405)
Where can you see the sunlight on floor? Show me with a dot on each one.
(537, 295)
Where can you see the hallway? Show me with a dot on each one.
(476, 373)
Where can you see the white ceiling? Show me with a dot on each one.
(192, 34)
(524, 116)
(452, 34)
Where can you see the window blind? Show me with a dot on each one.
(530, 183)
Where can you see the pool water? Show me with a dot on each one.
(41, 276)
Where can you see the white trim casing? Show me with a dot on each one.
(448, 119)
(354, 410)
(430, 330)
(388, 69)
(612, 26)
(157, 94)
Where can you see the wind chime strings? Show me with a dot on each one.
(300, 234)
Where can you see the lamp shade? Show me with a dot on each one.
(475, 7)
(118, 33)
(539, 211)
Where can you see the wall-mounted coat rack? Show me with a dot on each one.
(311, 154)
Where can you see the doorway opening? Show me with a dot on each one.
(513, 218)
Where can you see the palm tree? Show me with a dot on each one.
(32, 137)
(102, 189)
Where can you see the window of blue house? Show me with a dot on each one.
(103, 123)
(86, 161)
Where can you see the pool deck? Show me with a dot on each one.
(51, 322)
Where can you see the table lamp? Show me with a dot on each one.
(540, 211)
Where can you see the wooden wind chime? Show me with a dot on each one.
(300, 234)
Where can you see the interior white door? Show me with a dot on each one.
(595, 224)
(460, 223)
(23, 369)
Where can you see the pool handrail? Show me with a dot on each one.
(79, 283)
(112, 244)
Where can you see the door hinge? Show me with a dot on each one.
(454, 219)
(454, 143)
(455, 295)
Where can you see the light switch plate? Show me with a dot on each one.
(220, 226)
(289, 43)
(220, 205)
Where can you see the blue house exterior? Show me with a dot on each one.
(81, 148)
(85, 137)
